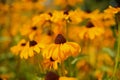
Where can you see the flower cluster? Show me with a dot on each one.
(63, 39)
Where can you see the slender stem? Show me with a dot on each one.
(118, 48)
(62, 69)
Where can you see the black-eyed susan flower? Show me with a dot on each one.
(91, 30)
(50, 63)
(76, 16)
(30, 31)
(67, 78)
(31, 48)
(26, 49)
(19, 47)
(58, 16)
(61, 49)
(112, 10)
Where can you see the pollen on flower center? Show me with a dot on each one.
(34, 28)
(60, 39)
(51, 76)
(89, 25)
(23, 44)
(32, 43)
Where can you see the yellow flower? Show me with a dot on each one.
(57, 16)
(73, 33)
(31, 48)
(67, 78)
(91, 30)
(76, 16)
(104, 58)
(109, 39)
(60, 49)
(50, 63)
(64, 3)
(19, 47)
(112, 10)
(30, 31)
(26, 49)
(40, 19)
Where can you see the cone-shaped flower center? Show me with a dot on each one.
(89, 25)
(51, 76)
(50, 33)
(23, 44)
(34, 28)
(60, 39)
(51, 59)
(50, 14)
(32, 43)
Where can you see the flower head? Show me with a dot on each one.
(26, 49)
(31, 48)
(91, 30)
(61, 49)
(19, 47)
(50, 63)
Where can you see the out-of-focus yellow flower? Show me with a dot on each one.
(30, 31)
(73, 33)
(31, 48)
(112, 10)
(61, 50)
(107, 20)
(91, 30)
(19, 47)
(67, 78)
(57, 16)
(76, 16)
(64, 3)
(109, 39)
(40, 19)
(99, 74)
(50, 64)
(104, 58)
(26, 49)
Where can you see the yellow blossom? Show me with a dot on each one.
(31, 48)
(67, 78)
(61, 50)
(91, 30)
(19, 47)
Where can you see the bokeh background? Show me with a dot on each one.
(15, 13)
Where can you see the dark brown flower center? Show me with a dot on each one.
(50, 14)
(32, 43)
(1, 79)
(60, 39)
(50, 33)
(87, 11)
(51, 76)
(51, 59)
(34, 28)
(23, 44)
(89, 25)
(66, 12)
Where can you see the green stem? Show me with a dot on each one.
(62, 69)
(118, 48)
